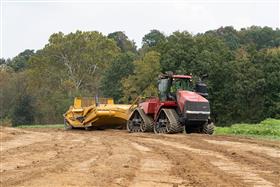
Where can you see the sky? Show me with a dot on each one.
(27, 24)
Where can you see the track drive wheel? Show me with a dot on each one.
(167, 122)
(208, 128)
(139, 122)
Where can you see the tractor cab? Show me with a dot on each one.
(168, 85)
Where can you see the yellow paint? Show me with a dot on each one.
(78, 102)
(104, 114)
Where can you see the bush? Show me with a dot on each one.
(268, 127)
(6, 122)
(23, 112)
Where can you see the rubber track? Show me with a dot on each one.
(175, 126)
(146, 119)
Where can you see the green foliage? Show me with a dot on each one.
(268, 128)
(260, 37)
(143, 80)
(68, 66)
(76, 57)
(123, 42)
(16, 102)
(23, 112)
(120, 69)
(2, 61)
(6, 122)
(177, 52)
(19, 63)
(253, 37)
(56, 126)
(271, 70)
(153, 38)
(7, 93)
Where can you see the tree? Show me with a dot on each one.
(260, 37)
(271, 68)
(15, 101)
(77, 57)
(178, 51)
(120, 69)
(19, 63)
(2, 61)
(153, 38)
(123, 42)
(23, 112)
(69, 65)
(228, 34)
(143, 80)
(6, 92)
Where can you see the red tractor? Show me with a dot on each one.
(179, 107)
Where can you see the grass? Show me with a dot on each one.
(268, 129)
(60, 126)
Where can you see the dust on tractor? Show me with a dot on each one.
(179, 107)
(96, 113)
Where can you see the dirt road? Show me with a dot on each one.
(53, 157)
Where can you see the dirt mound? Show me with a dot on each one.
(52, 157)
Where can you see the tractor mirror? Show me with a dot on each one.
(201, 89)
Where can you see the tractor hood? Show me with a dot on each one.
(184, 96)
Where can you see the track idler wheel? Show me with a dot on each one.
(167, 122)
(139, 122)
(134, 122)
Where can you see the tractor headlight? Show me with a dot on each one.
(197, 112)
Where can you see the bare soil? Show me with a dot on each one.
(54, 157)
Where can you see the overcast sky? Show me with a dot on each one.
(28, 24)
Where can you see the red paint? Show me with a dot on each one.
(182, 76)
(149, 106)
(152, 106)
(183, 96)
(165, 104)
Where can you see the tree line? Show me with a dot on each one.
(243, 68)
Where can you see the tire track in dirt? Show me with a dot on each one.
(242, 139)
(261, 157)
(194, 170)
(66, 154)
(272, 152)
(118, 167)
(245, 173)
(72, 163)
(98, 161)
(201, 141)
(118, 158)
(154, 170)
(268, 167)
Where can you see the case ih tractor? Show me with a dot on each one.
(179, 107)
